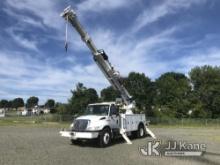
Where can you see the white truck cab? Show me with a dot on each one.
(102, 121)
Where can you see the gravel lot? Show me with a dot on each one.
(42, 145)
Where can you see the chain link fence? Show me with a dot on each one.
(184, 121)
(69, 118)
(15, 118)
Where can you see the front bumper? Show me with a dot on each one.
(84, 135)
(79, 135)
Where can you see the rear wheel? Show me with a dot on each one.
(141, 131)
(105, 137)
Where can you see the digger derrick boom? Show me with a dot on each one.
(99, 56)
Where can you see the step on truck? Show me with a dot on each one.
(104, 121)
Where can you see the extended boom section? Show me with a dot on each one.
(100, 58)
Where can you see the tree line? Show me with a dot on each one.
(30, 103)
(172, 95)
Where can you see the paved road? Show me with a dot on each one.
(24, 145)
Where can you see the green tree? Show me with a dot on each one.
(141, 88)
(206, 88)
(109, 94)
(62, 108)
(3, 104)
(9, 105)
(32, 101)
(172, 94)
(17, 102)
(50, 103)
(81, 97)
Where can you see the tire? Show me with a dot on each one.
(105, 137)
(75, 142)
(141, 131)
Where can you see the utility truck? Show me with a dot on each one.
(104, 121)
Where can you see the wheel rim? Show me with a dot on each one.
(106, 138)
(141, 132)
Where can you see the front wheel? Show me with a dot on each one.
(75, 142)
(105, 137)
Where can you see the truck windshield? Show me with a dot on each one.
(101, 110)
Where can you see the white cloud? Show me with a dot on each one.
(24, 19)
(41, 14)
(200, 57)
(29, 76)
(167, 7)
(100, 6)
(29, 44)
(44, 9)
(145, 55)
(129, 54)
(11, 66)
(46, 16)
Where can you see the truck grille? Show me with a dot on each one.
(80, 125)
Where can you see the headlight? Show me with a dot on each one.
(95, 128)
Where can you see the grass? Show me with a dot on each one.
(31, 121)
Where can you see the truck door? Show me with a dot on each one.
(114, 116)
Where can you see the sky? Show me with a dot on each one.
(146, 36)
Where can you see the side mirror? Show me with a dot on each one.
(114, 111)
